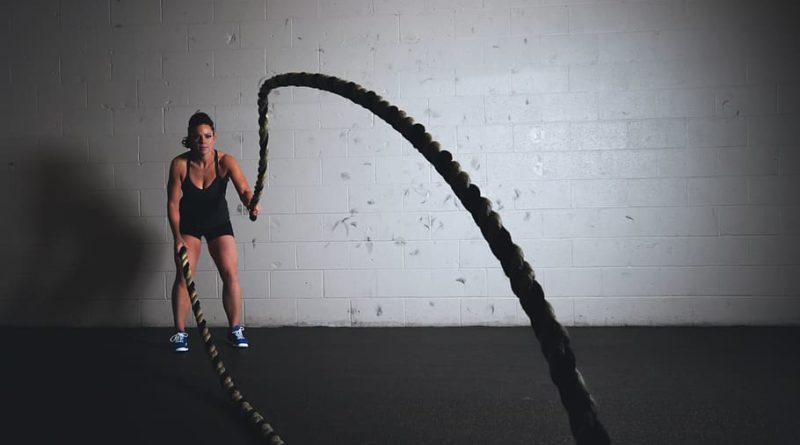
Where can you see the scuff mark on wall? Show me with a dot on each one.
(344, 224)
(538, 167)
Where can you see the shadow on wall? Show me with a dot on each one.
(69, 253)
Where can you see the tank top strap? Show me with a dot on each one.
(216, 164)
(188, 166)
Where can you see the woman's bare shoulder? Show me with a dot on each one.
(226, 159)
(179, 162)
(224, 155)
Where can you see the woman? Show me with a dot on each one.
(196, 207)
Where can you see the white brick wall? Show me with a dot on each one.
(643, 154)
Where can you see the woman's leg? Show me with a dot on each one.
(181, 304)
(223, 251)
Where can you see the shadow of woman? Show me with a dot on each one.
(70, 251)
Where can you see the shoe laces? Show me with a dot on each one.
(238, 333)
(180, 336)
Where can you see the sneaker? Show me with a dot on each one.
(180, 342)
(236, 337)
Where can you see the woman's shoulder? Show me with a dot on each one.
(180, 161)
(225, 159)
(181, 157)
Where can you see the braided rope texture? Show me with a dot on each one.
(261, 426)
(555, 343)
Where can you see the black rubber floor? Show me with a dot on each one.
(400, 386)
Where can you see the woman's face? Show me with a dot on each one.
(203, 138)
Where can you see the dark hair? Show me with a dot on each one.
(198, 118)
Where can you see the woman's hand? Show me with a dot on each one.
(255, 212)
(179, 244)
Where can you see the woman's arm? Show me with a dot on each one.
(239, 182)
(173, 200)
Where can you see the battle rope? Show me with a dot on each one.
(586, 427)
(257, 420)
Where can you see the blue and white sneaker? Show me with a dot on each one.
(236, 337)
(180, 342)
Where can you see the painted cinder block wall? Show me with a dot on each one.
(644, 154)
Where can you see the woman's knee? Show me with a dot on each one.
(229, 276)
(223, 251)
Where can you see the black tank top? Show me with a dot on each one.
(204, 208)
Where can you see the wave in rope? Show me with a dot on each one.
(553, 337)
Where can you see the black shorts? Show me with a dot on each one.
(210, 233)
